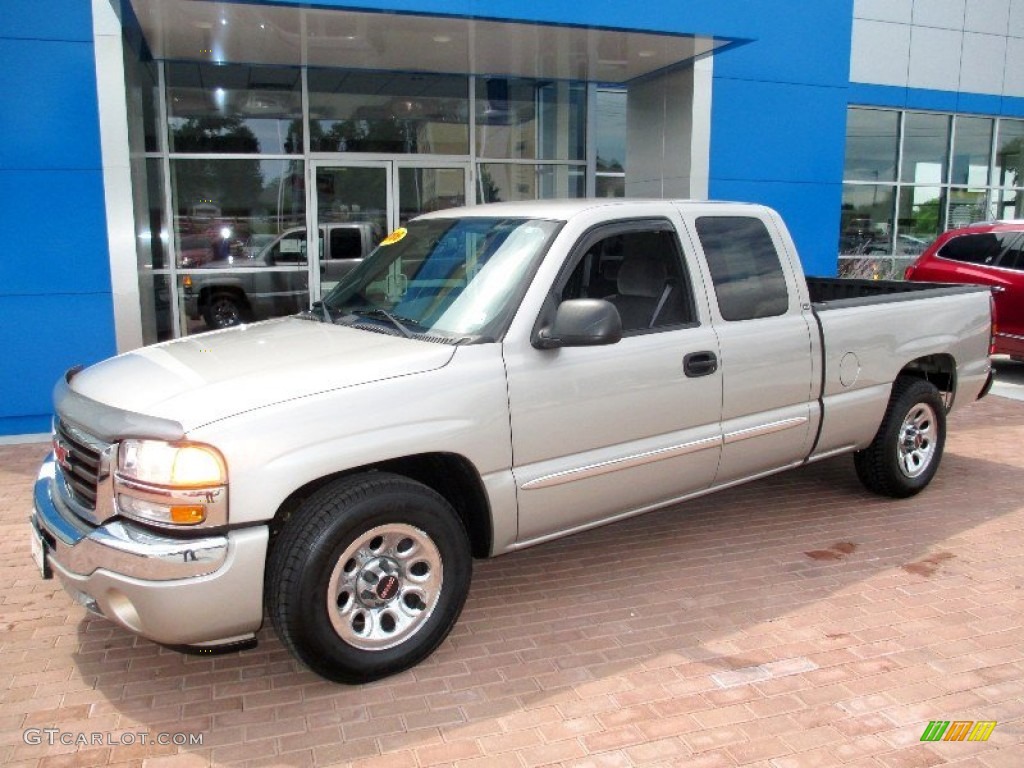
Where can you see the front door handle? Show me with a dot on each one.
(700, 364)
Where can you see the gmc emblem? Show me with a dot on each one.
(62, 454)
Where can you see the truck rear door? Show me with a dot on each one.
(769, 344)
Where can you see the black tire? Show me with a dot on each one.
(905, 454)
(223, 310)
(409, 598)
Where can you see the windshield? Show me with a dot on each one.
(458, 278)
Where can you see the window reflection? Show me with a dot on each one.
(925, 148)
(142, 95)
(979, 186)
(234, 109)
(872, 140)
(866, 220)
(150, 219)
(505, 182)
(921, 212)
(967, 206)
(1009, 167)
(524, 119)
(222, 206)
(155, 307)
(1007, 204)
(392, 112)
(610, 122)
(210, 299)
(610, 186)
(421, 190)
(972, 151)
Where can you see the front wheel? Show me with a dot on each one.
(905, 454)
(223, 310)
(367, 578)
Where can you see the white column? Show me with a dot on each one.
(117, 178)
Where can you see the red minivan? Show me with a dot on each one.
(985, 254)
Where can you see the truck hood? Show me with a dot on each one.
(205, 378)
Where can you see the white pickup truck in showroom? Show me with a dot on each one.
(489, 378)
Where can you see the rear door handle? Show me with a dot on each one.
(700, 364)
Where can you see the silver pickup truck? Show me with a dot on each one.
(487, 379)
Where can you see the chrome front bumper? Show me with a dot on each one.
(177, 591)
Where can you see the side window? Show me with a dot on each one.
(976, 249)
(1013, 257)
(641, 273)
(745, 267)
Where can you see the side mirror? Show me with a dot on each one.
(581, 323)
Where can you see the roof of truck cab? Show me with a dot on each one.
(563, 210)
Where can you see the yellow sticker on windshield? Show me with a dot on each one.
(395, 236)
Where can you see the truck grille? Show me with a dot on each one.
(80, 459)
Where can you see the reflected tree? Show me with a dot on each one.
(212, 133)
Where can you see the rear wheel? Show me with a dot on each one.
(367, 578)
(905, 454)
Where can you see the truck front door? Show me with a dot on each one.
(601, 432)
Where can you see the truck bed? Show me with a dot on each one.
(834, 292)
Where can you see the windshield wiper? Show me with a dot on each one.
(378, 312)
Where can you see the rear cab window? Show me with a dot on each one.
(746, 271)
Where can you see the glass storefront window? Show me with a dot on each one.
(421, 190)
(521, 119)
(221, 195)
(921, 212)
(234, 108)
(1009, 166)
(274, 284)
(872, 140)
(150, 219)
(610, 186)
(866, 224)
(1007, 204)
(155, 307)
(967, 206)
(972, 150)
(393, 112)
(505, 182)
(925, 148)
(142, 92)
(223, 207)
(610, 122)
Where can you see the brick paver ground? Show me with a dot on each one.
(797, 621)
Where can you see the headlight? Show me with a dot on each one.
(171, 484)
(188, 465)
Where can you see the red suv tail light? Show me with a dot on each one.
(992, 329)
(909, 271)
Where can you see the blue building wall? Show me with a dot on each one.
(55, 296)
(897, 97)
